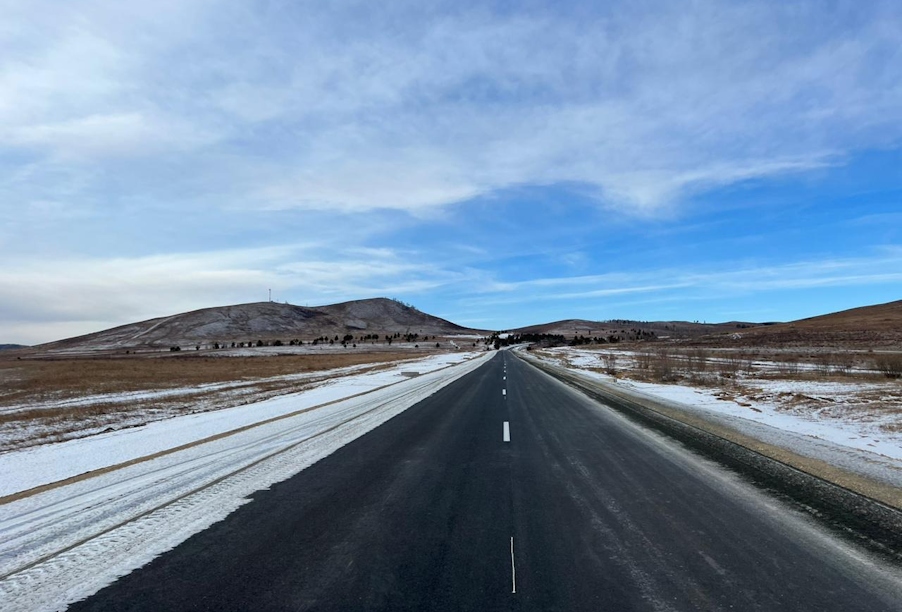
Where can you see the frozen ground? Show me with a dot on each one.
(66, 543)
(152, 394)
(856, 425)
(47, 463)
(52, 406)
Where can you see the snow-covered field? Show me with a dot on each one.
(152, 394)
(855, 424)
(47, 463)
(51, 414)
(63, 544)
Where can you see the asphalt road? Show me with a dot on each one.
(580, 510)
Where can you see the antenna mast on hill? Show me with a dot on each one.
(270, 295)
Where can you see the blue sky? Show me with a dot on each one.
(497, 164)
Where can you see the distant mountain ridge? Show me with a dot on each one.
(625, 329)
(861, 328)
(9, 347)
(865, 327)
(261, 321)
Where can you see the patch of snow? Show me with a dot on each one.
(850, 440)
(32, 467)
(863, 436)
(64, 544)
(150, 394)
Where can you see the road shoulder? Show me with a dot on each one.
(850, 502)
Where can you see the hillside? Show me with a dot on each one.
(630, 330)
(866, 327)
(259, 321)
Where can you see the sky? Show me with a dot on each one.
(494, 163)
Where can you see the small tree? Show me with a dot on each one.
(610, 363)
(890, 365)
(662, 366)
(824, 363)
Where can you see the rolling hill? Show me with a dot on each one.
(866, 327)
(259, 321)
(630, 330)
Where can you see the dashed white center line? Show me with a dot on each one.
(504, 392)
(507, 431)
(513, 569)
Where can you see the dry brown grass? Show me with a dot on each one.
(845, 386)
(28, 381)
(24, 385)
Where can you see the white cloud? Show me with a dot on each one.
(676, 284)
(117, 135)
(351, 107)
(194, 118)
(45, 299)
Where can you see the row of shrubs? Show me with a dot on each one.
(344, 341)
(663, 364)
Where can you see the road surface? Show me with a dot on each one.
(507, 490)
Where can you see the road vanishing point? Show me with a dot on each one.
(508, 490)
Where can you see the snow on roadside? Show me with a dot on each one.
(152, 394)
(861, 435)
(854, 430)
(32, 467)
(64, 544)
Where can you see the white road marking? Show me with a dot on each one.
(513, 569)
(507, 431)
(504, 378)
(504, 392)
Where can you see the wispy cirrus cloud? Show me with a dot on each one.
(882, 267)
(46, 299)
(148, 153)
(42, 296)
(352, 107)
